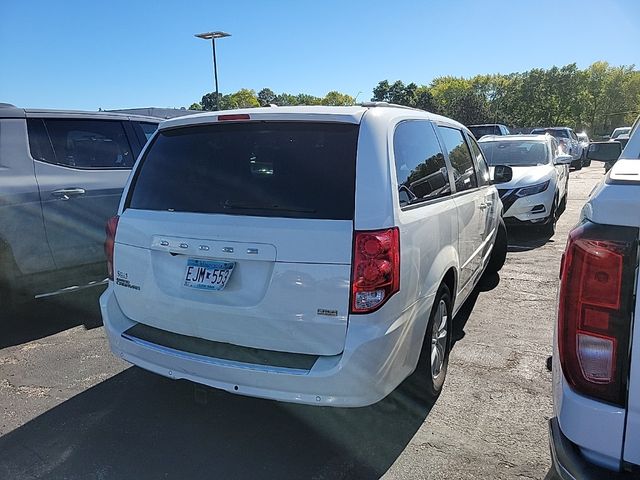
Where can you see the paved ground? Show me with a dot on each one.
(68, 409)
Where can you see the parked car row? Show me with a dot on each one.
(569, 142)
(318, 255)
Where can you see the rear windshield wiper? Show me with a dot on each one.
(274, 207)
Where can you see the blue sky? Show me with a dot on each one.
(124, 54)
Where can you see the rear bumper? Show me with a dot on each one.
(569, 464)
(370, 367)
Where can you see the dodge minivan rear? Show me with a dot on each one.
(237, 260)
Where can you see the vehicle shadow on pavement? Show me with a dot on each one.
(45, 317)
(487, 283)
(139, 425)
(524, 239)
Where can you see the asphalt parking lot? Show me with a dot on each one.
(69, 409)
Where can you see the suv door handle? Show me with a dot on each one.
(67, 193)
(485, 205)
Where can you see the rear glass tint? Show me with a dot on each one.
(555, 132)
(273, 169)
(482, 130)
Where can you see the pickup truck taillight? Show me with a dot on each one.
(597, 277)
(376, 269)
(109, 242)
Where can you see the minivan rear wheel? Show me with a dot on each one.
(499, 252)
(434, 356)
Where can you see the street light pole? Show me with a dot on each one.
(212, 36)
(215, 71)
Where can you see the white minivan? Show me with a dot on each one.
(306, 254)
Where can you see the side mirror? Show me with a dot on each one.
(502, 174)
(604, 151)
(563, 160)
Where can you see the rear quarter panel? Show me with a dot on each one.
(428, 233)
(21, 224)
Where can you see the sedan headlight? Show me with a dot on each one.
(533, 189)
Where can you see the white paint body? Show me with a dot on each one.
(607, 435)
(525, 176)
(272, 302)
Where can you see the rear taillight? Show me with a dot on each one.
(376, 269)
(595, 306)
(112, 226)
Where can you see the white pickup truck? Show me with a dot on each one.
(596, 382)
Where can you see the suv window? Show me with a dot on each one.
(271, 169)
(481, 163)
(480, 131)
(421, 170)
(148, 129)
(39, 143)
(88, 144)
(464, 173)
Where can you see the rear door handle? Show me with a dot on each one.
(67, 193)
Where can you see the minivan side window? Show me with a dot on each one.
(91, 144)
(421, 170)
(481, 163)
(464, 173)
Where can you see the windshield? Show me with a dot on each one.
(620, 131)
(284, 169)
(515, 153)
(482, 130)
(555, 132)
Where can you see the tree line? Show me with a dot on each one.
(245, 98)
(595, 99)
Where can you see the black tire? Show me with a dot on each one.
(499, 252)
(563, 205)
(430, 384)
(548, 229)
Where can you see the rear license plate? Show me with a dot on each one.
(207, 275)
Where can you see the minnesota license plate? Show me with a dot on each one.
(207, 274)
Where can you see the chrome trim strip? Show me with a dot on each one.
(73, 288)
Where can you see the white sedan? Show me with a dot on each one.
(537, 193)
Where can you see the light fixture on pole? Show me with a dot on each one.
(212, 36)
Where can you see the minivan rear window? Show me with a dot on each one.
(272, 169)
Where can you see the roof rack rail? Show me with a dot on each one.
(6, 105)
(387, 104)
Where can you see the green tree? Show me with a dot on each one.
(208, 101)
(266, 97)
(195, 106)
(304, 99)
(337, 99)
(243, 98)
(285, 99)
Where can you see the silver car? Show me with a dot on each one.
(61, 177)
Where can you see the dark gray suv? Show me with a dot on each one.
(61, 177)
